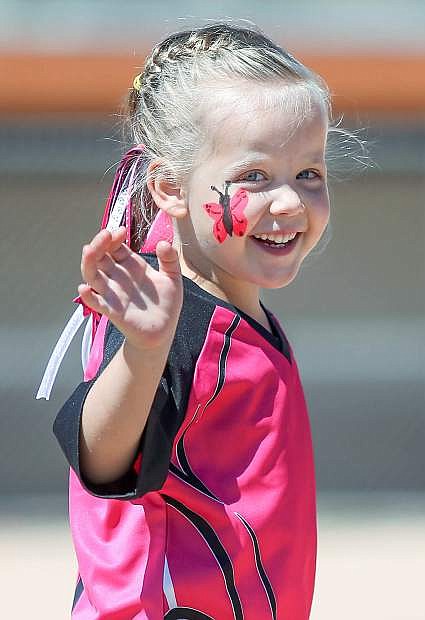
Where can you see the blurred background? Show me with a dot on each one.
(355, 315)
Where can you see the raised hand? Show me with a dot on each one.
(144, 304)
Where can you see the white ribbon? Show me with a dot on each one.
(115, 218)
(77, 318)
(59, 351)
(86, 343)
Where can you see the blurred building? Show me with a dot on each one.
(355, 315)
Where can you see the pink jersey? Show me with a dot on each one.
(217, 518)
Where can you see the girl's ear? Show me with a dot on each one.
(168, 196)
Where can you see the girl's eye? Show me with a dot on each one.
(253, 176)
(308, 174)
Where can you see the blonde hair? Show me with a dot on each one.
(165, 106)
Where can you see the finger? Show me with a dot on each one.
(106, 241)
(110, 303)
(106, 264)
(118, 238)
(90, 263)
(94, 258)
(117, 272)
(121, 252)
(168, 259)
(123, 265)
(100, 282)
(92, 252)
(92, 299)
(101, 242)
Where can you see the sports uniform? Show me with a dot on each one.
(216, 519)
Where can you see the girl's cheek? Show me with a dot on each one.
(255, 210)
(228, 216)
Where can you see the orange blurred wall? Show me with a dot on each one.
(46, 85)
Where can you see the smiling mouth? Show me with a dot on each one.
(277, 241)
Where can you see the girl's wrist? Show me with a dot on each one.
(135, 356)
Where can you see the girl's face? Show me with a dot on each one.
(280, 162)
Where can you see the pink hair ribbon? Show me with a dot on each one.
(160, 230)
(118, 210)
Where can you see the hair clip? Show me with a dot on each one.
(137, 82)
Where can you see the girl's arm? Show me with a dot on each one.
(144, 304)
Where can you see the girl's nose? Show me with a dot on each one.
(286, 200)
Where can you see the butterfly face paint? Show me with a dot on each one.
(228, 215)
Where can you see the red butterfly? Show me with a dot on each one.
(228, 214)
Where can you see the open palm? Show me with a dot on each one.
(144, 304)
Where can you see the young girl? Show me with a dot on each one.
(192, 491)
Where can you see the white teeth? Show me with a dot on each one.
(276, 237)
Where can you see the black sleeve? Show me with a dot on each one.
(156, 441)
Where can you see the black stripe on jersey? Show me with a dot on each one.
(186, 613)
(219, 552)
(79, 589)
(193, 480)
(223, 359)
(263, 575)
(187, 474)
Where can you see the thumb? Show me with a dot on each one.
(168, 259)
